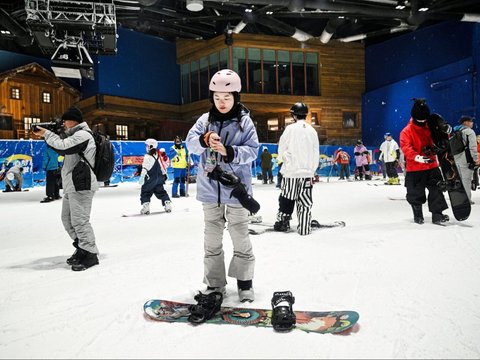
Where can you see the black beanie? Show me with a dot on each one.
(73, 113)
(420, 110)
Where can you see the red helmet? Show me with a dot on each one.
(225, 80)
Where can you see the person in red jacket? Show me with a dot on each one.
(422, 170)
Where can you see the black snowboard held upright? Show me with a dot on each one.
(451, 183)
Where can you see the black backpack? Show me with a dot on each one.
(104, 157)
(457, 146)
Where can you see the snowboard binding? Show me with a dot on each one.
(208, 305)
(283, 317)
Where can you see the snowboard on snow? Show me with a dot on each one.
(451, 183)
(159, 212)
(12, 191)
(314, 227)
(323, 322)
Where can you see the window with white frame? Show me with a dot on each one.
(15, 93)
(46, 97)
(28, 121)
(122, 132)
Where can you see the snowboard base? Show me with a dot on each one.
(322, 322)
(269, 227)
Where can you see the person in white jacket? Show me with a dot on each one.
(390, 155)
(299, 150)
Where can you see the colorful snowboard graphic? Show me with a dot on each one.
(323, 322)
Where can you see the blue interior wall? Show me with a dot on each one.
(144, 68)
(443, 72)
(417, 52)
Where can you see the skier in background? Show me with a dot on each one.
(164, 163)
(152, 179)
(179, 155)
(390, 155)
(422, 170)
(343, 159)
(362, 166)
(299, 150)
(468, 159)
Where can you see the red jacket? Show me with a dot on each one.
(413, 139)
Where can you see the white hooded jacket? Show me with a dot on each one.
(299, 150)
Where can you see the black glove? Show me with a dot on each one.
(247, 201)
(357, 153)
(365, 153)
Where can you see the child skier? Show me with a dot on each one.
(152, 180)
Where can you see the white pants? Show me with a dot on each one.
(243, 261)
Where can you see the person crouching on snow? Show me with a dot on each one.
(152, 179)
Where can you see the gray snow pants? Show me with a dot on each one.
(76, 209)
(466, 175)
(243, 261)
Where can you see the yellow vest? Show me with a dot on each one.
(179, 161)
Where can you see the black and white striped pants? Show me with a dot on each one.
(299, 191)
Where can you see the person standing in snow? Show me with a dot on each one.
(422, 170)
(343, 159)
(79, 185)
(152, 179)
(390, 155)
(164, 163)
(179, 155)
(227, 142)
(299, 150)
(362, 161)
(467, 159)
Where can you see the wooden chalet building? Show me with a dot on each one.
(30, 94)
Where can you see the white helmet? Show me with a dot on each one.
(151, 143)
(162, 150)
(225, 80)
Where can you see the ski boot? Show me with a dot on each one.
(245, 291)
(145, 208)
(207, 307)
(439, 218)
(283, 317)
(418, 214)
(168, 206)
(86, 259)
(283, 223)
(72, 260)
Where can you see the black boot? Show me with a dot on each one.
(418, 214)
(47, 199)
(86, 260)
(439, 218)
(282, 223)
(207, 307)
(74, 258)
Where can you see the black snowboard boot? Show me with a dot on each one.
(418, 214)
(283, 317)
(207, 307)
(86, 260)
(439, 218)
(73, 259)
(282, 223)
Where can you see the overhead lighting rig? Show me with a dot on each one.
(73, 29)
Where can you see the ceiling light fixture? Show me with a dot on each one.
(194, 5)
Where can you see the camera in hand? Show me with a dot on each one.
(239, 190)
(55, 126)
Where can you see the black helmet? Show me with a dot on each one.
(299, 109)
(420, 110)
(359, 142)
